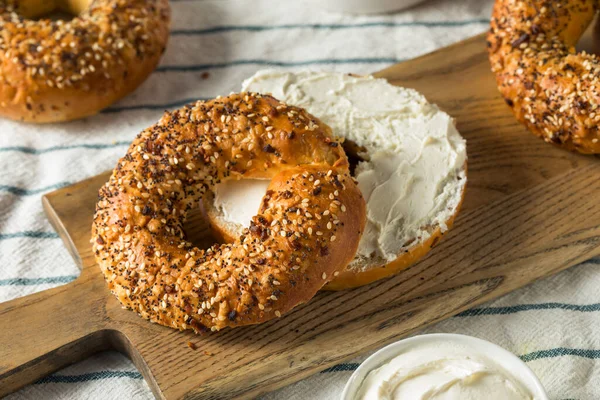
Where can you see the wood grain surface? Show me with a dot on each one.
(528, 213)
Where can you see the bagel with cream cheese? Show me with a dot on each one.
(411, 167)
(55, 70)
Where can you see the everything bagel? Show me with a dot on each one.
(52, 71)
(550, 87)
(301, 238)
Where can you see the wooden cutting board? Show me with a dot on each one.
(531, 210)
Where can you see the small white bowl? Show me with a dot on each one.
(503, 358)
(363, 6)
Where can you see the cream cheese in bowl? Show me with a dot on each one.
(443, 367)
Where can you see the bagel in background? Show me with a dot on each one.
(551, 88)
(411, 167)
(54, 71)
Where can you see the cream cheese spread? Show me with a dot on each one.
(441, 371)
(412, 176)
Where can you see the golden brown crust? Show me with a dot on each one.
(550, 87)
(301, 237)
(53, 71)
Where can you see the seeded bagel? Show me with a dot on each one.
(302, 236)
(551, 88)
(55, 70)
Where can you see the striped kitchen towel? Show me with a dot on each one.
(214, 46)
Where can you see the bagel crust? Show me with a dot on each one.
(52, 71)
(550, 87)
(306, 232)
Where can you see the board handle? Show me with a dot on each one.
(38, 336)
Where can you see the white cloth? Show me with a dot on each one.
(215, 45)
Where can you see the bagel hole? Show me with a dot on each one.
(355, 154)
(590, 40)
(61, 10)
(197, 229)
(57, 16)
(53, 15)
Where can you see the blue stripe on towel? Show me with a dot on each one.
(29, 234)
(37, 281)
(88, 146)
(474, 312)
(92, 376)
(17, 191)
(272, 63)
(379, 24)
(560, 352)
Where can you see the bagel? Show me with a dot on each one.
(411, 167)
(553, 90)
(307, 228)
(52, 71)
